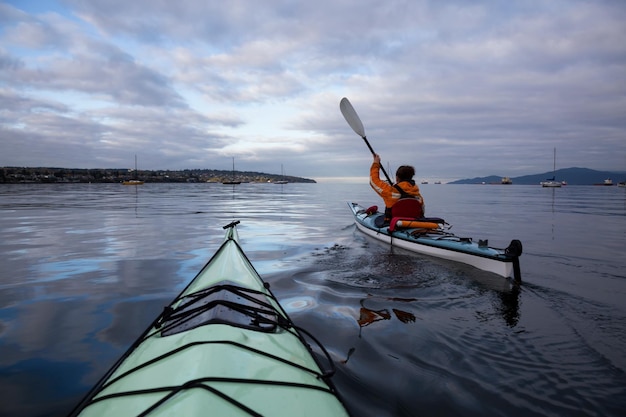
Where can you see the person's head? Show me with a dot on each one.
(405, 173)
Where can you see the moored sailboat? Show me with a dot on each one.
(135, 180)
(232, 181)
(552, 182)
(282, 179)
(607, 182)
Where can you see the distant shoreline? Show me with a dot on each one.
(20, 175)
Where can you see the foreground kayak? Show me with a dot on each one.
(429, 238)
(223, 347)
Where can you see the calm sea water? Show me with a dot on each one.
(85, 268)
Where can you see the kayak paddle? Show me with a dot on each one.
(355, 123)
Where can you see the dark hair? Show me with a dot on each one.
(405, 173)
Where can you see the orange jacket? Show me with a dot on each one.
(389, 193)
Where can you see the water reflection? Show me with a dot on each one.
(552, 206)
(509, 305)
(368, 316)
(136, 200)
(505, 294)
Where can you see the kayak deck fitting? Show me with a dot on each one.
(429, 237)
(223, 347)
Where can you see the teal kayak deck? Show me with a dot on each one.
(442, 244)
(223, 347)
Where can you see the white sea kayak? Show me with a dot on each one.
(223, 347)
(428, 236)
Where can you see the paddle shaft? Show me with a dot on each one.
(380, 165)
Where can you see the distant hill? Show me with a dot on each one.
(573, 176)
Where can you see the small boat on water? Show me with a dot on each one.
(552, 182)
(223, 347)
(282, 179)
(506, 180)
(429, 236)
(135, 180)
(232, 181)
(621, 184)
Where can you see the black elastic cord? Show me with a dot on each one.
(200, 383)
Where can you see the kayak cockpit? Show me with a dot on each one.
(224, 303)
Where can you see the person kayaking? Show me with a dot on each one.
(404, 187)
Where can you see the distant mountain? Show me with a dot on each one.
(573, 176)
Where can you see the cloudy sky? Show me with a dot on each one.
(459, 89)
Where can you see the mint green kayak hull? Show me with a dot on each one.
(223, 347)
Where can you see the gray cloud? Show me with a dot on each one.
(458, 89)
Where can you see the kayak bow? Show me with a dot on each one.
(422, 237)
(223, 347)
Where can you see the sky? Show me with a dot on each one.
(457, 89)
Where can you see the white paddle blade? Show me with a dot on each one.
(351, 117)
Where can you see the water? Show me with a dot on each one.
(85, 268)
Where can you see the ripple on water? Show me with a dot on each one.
(298, 304)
